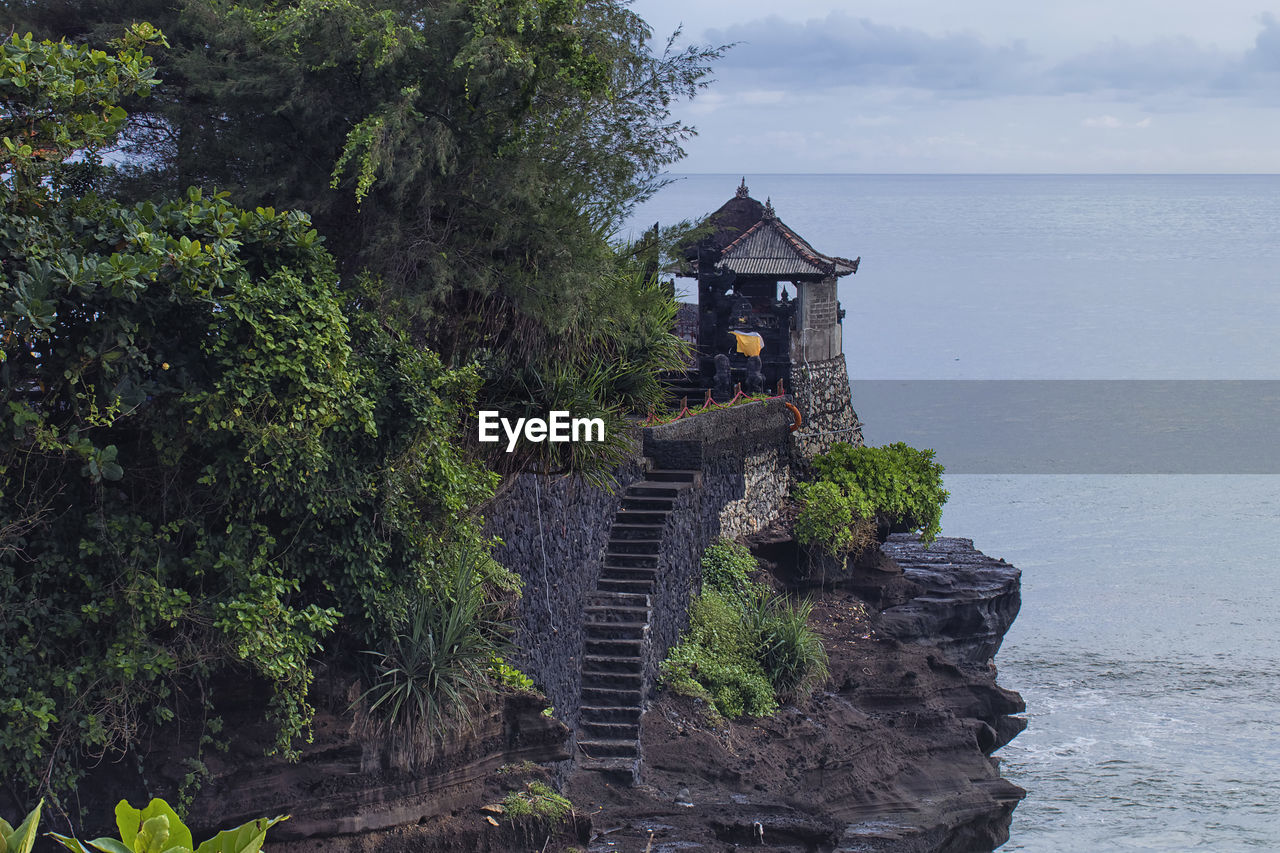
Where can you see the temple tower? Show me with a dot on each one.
(743, 264)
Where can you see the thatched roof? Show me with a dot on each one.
(748, 238)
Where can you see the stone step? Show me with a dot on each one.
(649, 547)
(618, 599)
(629, 573)
(628, 532)
(604, 714)
(609, 731)
(609, 691)
(616, 630)
(671, 475)
(633, 503)
(640, 516)
(612, 663)
(625, 585)
(645, 489)
(621, 771)
(611, 697)
(608, 748)
(613, 558)
(610, 613)
(631, 681)
(606, 647)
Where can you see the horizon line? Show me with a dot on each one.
(989, 174)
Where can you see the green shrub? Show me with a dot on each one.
(158, 829)
(727, 567)
(896, 485)
(507, 675)
(825, 518)
(742, 652)
(790, 653)
(432, 672)
(537, 803)
(717, 661)
(215, 459)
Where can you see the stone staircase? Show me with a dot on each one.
(617, 628)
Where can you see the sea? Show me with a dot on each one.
(1096, 360)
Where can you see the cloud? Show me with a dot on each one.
(840, 50)
(1110, 122)
(1264, 56)
(1161, 66)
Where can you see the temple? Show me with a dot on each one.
(743, 264)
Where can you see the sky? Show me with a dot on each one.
(986, 86)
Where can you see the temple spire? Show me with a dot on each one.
(742, 189)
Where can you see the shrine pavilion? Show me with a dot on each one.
(742, 266)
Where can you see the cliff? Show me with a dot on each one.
(894, 756)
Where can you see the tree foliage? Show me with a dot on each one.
(475, 158)
(208, 464)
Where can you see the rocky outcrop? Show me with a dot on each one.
(966, 603)
(894, 756)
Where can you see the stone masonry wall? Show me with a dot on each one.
(575, 522)
(744, 456)
(821, 393)
(817, 334)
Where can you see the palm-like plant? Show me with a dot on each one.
(790, 653)
(431, 674)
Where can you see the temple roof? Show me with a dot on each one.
(749, 239)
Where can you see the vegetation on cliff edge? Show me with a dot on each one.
(861, 493)
(746, 649)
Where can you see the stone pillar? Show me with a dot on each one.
(820, 390)
(816, 335)
(819, 375)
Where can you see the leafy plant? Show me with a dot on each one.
(158, 829)
(727, 566)
(509, 676)
(745, 648)
(212, 459)
(476, 168)
(434, 670)
(825, 517)
(717, 660)
(23, 838)
(538, 803)
(791, 654)
(896, 485)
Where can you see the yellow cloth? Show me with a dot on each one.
(749, 343)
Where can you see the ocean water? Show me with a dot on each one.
(1147, 647)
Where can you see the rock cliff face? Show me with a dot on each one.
(893, 757)
(349, 790)
(966, 603)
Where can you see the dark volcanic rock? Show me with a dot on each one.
(892, 757)
(966, 603)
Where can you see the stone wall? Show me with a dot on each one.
(821, 393)
(554, 530)
(744, 457)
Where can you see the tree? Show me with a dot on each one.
(212, 460)
(473, 158)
